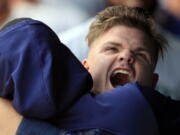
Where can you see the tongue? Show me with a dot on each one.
(119, 79)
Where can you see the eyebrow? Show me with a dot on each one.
(120, 44)
(145, 49)
(140, 49)
(113, 43)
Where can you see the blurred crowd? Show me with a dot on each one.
(60, 15)
(70, 19)
(65, 14)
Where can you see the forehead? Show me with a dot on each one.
(126, 36)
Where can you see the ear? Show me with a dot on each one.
(155, 80)
(85, 64)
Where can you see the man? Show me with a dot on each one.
(168, 84)
(121, 51)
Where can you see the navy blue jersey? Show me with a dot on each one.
(37, 72)
(44, 80)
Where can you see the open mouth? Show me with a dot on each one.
(120, 77)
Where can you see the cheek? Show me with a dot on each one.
(100, 65)
(144, 70)
(102, 60)
(95, 66)
(144, 74)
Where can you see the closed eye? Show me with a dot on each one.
(111, 49)
(143, 56)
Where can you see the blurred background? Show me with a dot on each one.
(60, 15)
(70, 19)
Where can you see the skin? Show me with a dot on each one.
(9, 118)
(121, 48)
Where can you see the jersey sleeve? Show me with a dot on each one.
(38, 73)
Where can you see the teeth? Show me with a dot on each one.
(120, 77)
(121, 71)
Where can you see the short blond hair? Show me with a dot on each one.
(131, 17)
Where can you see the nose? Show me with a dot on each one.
(127, 57)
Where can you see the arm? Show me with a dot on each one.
(9, 118)
(37, 71)
(12, 123)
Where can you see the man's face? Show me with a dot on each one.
(119, 56)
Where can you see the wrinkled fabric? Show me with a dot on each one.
(37, 127)
(121, 111)
(36, 71)
(29, 127)
(45, 81)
